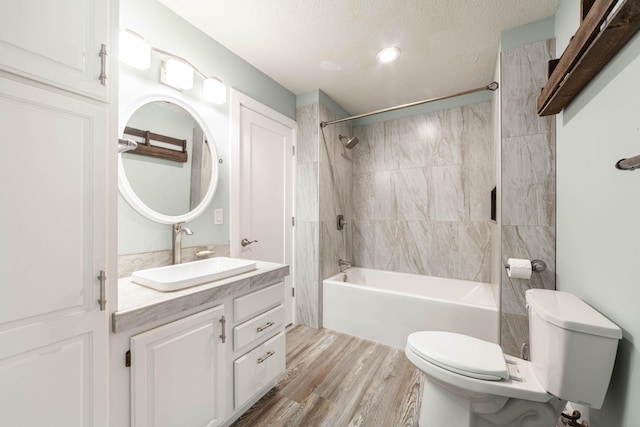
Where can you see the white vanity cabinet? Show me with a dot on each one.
(259, 342)
(176, 376)
(181, 371)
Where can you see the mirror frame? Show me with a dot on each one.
(123, 183)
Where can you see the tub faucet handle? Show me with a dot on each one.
(343, 263)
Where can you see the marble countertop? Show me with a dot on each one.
(138, 305)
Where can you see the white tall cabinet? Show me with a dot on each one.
(55, 173)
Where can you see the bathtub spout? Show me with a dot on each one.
(342, 263)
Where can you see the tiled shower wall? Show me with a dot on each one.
(323, 191)
(421, 194)
(528, 183)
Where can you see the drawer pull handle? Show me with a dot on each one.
(265, 326)
(266, 356)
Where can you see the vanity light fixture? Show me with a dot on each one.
(176, 74)
(388, 54)
(214, 90)
(175, 71)
(134, 50)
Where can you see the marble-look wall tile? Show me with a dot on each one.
(307, 208)
(363, 196)
(478, 181)
(363, 234)
(426, 207)
(370, 137)
(447, 192)
(514, 331)
(445, 131)
(307, 120)
(528, 180)
(407, 140)
(527, 183)
(441, 249)
(478, 138)
(523, 74)
(307, 260)
(307, 254)
(528, 242)
(473, 257)
(410, 189)
(385, 198)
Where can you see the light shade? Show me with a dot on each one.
(176, 74)
(388, 54)
(214, 90)
(134, 50)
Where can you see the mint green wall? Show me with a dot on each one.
(598, 209)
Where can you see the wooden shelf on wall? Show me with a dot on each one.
(606, 26)
(146, 147)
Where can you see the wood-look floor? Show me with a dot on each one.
(338, 380)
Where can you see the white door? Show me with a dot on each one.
(53, 335)
(262, 187)
(176, 377)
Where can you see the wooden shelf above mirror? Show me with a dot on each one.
(606, 26)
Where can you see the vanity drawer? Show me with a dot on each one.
(257, 368)
(257, 302)
(259, 327)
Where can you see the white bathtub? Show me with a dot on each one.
(386, 307)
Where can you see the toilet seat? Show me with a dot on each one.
(524, 387)
(461, 354)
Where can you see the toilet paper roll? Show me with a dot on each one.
(519, 268)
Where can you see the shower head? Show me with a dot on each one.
(351, 142)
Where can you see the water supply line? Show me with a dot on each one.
(491, 86)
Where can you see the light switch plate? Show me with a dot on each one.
(218, 216)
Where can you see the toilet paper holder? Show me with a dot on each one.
(537, 265)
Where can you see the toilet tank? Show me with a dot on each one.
(572, 346)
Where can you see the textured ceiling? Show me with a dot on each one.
(447, 45)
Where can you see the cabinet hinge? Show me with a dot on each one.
(293, 150)
(103, 64)
(127, 359)
(293, 221)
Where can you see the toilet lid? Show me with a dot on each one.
(461, 354)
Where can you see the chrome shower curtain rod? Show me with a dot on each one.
(491, 86)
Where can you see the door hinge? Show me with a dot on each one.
(127, 359)
(103, 64)
(103, 289)
(293, 292)
(293, 150)
(293, 221)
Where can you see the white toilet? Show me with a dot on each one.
(471, 383)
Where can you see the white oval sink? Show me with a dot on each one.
(181, 276)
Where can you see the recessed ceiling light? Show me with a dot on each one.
(388, 54)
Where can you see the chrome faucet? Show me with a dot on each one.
(178, 229)
(343, 263)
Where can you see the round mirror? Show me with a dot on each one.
(172, 176)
